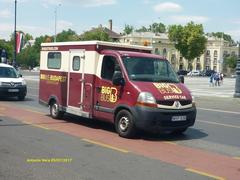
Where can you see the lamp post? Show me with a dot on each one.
(55, 12)
(15, 36)
(237, 85)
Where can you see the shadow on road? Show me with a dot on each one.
(190, 134)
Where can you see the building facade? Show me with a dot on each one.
(212, 58)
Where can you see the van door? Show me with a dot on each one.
(107, 94)
(76, 78)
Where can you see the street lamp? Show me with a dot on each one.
(15, 36)
(237, 85)
(55, 12)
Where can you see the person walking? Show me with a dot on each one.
(211, 84)
(221, 78)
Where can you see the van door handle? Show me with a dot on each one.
(98, 89)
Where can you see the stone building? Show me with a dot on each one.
(212, 58)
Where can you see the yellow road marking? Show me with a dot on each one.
(36, 125)
(205, 174)
(167, 142)
(238, 158)
(106, 145)
(34, 111)
(220, 124)
(29, 110)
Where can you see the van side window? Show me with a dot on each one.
(76, 63)
(54, 60)
(108, 67)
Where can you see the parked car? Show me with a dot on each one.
(182, 72)
(11, 83)
(37, 69)
(194, 73)
(234, 75)
(208, 72)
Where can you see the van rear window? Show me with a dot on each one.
(54, 60)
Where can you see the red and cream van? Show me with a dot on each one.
(122, 84)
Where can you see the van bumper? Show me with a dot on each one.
(13, 91)
(160, 120)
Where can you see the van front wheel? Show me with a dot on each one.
(124, 124)
(54, 111)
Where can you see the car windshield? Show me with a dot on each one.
(8, 72)
(149, 69)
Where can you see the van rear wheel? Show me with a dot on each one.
(54, 111)
(124, 124)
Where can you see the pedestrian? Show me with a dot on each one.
(211, 84)
(217, 79)
(221, 78)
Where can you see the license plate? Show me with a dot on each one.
(13, 90)
(179, 118)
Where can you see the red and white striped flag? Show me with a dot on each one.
(19, 41)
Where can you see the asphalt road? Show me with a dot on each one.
(201, 153)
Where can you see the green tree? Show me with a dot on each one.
(226, 37)
(128, 29)
(68, 35)
(189, 39)
(142, 29)
(95, 34)
(8, 46)
(30, 55)
(231, 61)
(157, 28)
(28, 37)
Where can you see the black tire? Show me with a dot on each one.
(21, 98)
(54, 111)
(124, 124)
(179, 131)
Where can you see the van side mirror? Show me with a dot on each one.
(181, 78)
(118, 79)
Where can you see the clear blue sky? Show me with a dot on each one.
(36, 17)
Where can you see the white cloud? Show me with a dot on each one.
(5, 13)
(186, 19)
(84, 3)
(167, 7)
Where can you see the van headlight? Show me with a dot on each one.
(193, 101)
(146, 99)
(24, 82)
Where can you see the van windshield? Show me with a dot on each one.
(149, 70)
(8, 72)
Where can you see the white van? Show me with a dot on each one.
(11, 83)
